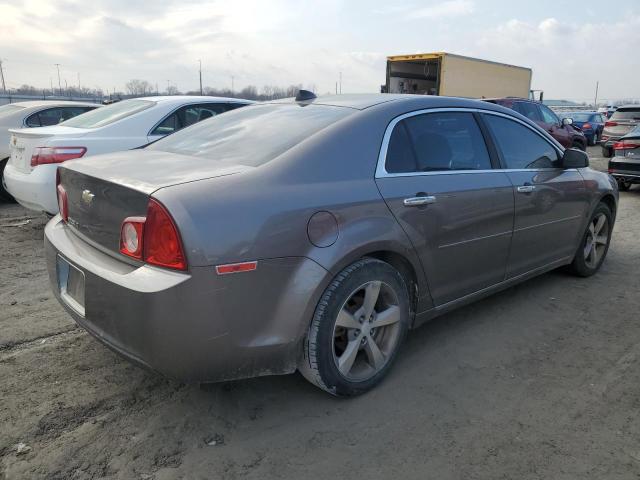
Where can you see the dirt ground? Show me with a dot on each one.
(541, 381)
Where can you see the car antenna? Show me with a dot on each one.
(304, 95)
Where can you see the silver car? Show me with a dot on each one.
(313, 234)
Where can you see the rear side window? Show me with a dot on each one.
(436, 142)
(521, 148)
(626, 114)
(253, 135)
(111, 113)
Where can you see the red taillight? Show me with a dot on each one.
(586, 125)
(131, 236)
(611, 124)
(153, 239)
(63, 204)
(47, 155)
(626, 145)
(162, 245)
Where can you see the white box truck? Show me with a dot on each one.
(442, 73)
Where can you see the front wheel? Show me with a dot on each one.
(357, 329)
(4, 195)
(623, 185)
(595, 243)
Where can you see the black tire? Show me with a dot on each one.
(623, 185)
(580, 265)
(4, 195)
(594, 139)
(320, 363)
(607, 152)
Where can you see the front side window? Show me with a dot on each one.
(435, 142)
(521, 148)
(548, 116)
(188, 115)
(103, 116)
(529, 110)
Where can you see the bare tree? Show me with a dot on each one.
(138, 88)
(172, 90)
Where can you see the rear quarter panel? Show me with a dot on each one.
(264, 213)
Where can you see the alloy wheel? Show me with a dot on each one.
(367, 330)
(596, 240)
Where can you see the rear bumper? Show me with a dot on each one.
(195, 326)
(35, 190)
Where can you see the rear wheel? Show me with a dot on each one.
(607, 152)
(4, 195)
(357, 329)
(594, 139)
(595, 243)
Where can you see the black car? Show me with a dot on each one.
(625, 163)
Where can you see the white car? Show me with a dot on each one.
(40, 113)
(30, 175)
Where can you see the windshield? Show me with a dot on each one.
(9, 109)
(580, 117)
(626, 114)
(252, 135)
(109, 114)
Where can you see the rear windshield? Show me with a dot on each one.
(252, 135)
(9, 109)
(581, 117)
(626, 114)
(109, 114)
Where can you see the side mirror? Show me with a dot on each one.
(574, 158)
(567, 121)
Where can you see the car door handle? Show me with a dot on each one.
(526, 188)
(417, 201)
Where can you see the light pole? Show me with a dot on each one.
(59, 83)
(232, 84)
(200, 72)
(595, 101)
(4, 88)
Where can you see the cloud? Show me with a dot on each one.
(568, 58)
(451, 8)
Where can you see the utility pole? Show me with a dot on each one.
(4, 88)
(79, 88)
(232, 84)
(595, 101)
(340, 83)
(168, 87)
(59, 83)
(66, 86)
(336, 88)
(200, 71)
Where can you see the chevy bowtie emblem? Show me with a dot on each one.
(87, 197)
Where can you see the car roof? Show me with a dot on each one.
(191, 98)
(367, 100)
(55, 103)
(635, 106)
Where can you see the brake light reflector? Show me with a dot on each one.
(131, 236)
(48, 155)
(626, 145)
(63, 203)
(610, 124)
(162, 245)
(236, 268)
(586, 125)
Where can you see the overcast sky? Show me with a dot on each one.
(568, 44)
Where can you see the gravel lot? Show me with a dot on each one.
(540, 381)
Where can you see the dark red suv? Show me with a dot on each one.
(562, 130)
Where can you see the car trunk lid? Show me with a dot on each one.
(104, 190)
(24, 141)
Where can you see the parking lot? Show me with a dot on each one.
(539, 381)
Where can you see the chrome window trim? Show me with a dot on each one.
(381, 171)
